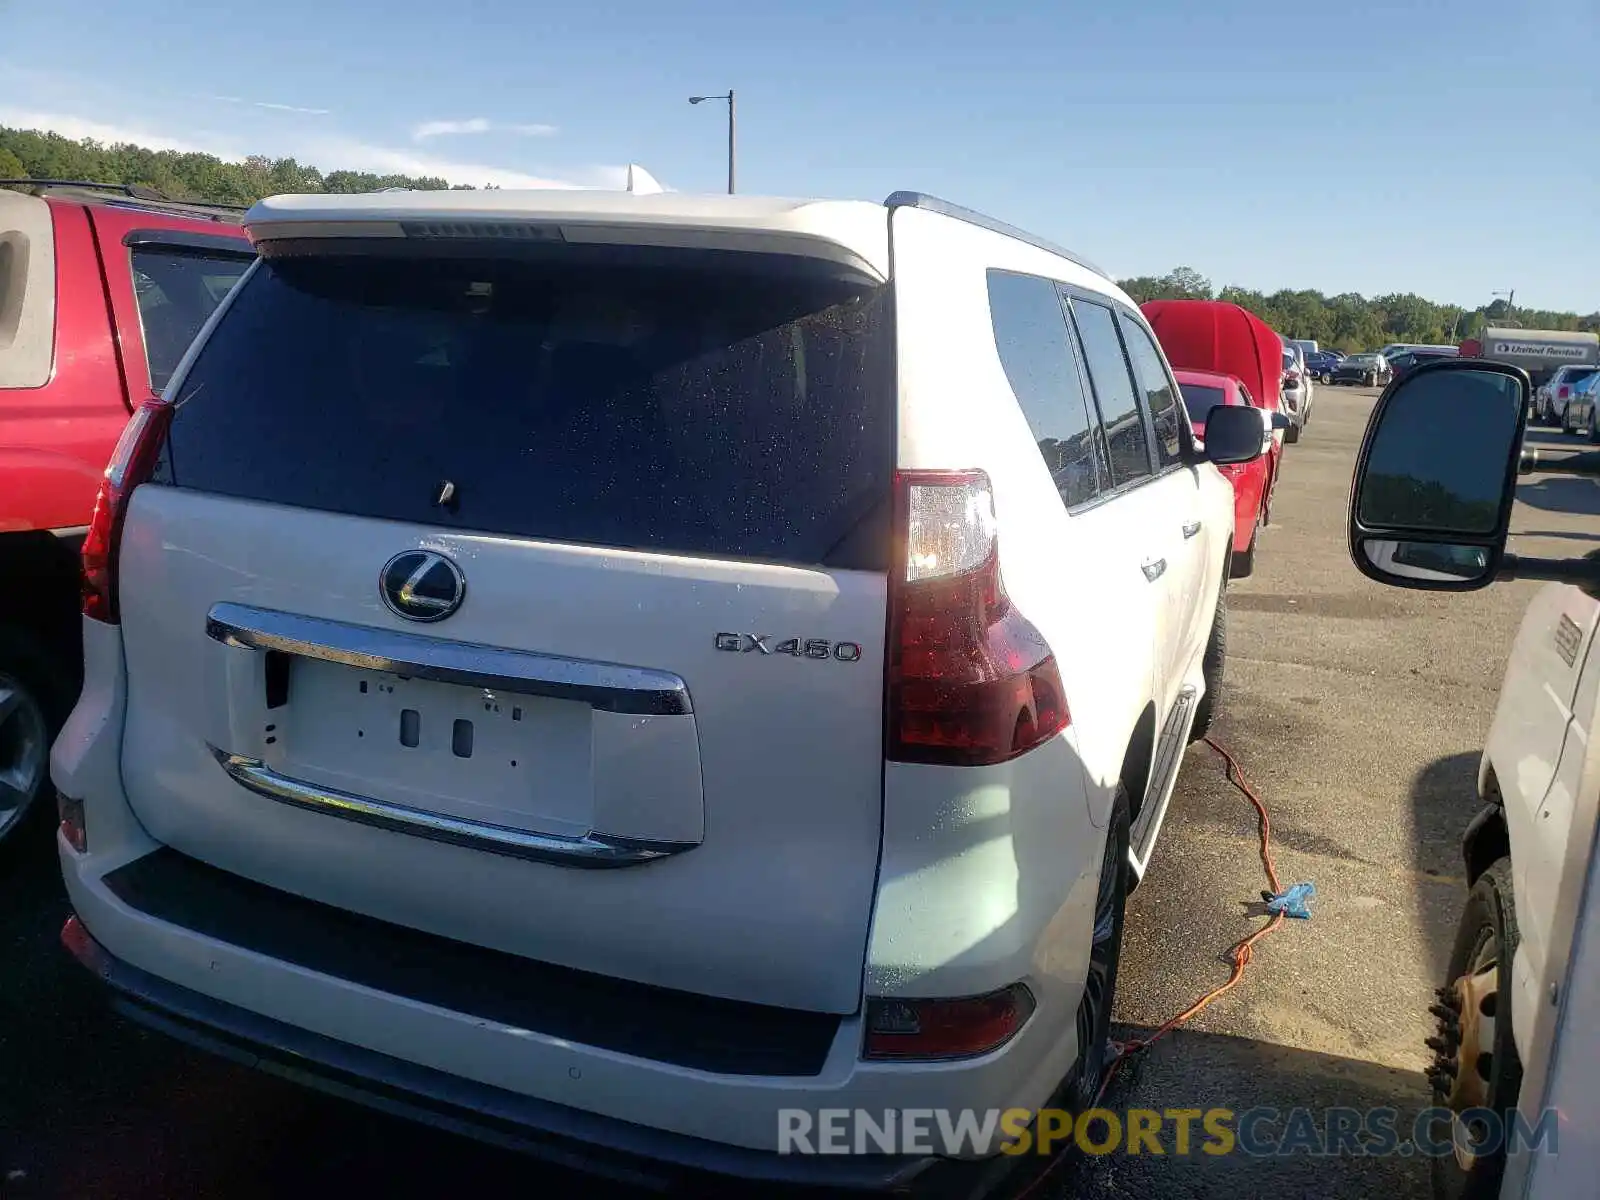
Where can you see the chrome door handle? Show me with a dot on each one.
(1153, 568)
(1192, 528)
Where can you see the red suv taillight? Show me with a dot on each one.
(970, 680)
(132, 463)
(1561, 393)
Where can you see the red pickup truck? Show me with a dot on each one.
(102, 289)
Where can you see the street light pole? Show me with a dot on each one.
(732, 145)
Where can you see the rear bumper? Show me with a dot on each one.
(572, 1138)
(391, 1017)
(482, 1074)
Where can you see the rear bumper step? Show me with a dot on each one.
(569, 1137)
(642, 1020)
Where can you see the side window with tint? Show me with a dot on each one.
(176, 291)
(1035, 347)
(1156, 385)
(1120, 410)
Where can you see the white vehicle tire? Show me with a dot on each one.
(1479, 993)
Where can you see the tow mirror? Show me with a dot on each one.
(1279, 421)
(1430, 506)
(1233, 434)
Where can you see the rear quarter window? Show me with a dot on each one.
(699, 408)
(1036, 350)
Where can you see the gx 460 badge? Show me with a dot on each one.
(763, 643)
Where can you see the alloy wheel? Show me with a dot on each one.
(1100, 984)
(24, 751)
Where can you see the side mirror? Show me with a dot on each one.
(1430, 505)
(1279, 421)
(1233, 434)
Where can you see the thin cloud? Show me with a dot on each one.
(433, 129)
(386, 160)
(328, 152)
(79, 128)
(268, 104)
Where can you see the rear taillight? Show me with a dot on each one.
(132, 463)
(936, 1029)
(1561, 393)
(970, 680)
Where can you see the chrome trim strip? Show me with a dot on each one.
(607, 686)
(592, 850)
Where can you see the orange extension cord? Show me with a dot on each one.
(1241, 954)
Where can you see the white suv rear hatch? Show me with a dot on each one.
(648, 742)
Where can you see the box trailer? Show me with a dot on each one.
(1537, 351)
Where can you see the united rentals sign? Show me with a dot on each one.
(1539, 350)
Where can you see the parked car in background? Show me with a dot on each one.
(1253, 482)
(524, 868)
(1581, 415)
(1308, 380)
(1223, 338)
(1296, 392)
(1394, 348)
(1550, 401)
(1364, 370)
(1322, 363)
(1409, 360)
(1308, 346)
(102, 288)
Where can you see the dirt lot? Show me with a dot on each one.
(1358, 712)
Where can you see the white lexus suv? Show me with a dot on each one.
(608, 669)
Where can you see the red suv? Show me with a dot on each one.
(102, 288)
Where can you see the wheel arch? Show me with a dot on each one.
(1138, 759)
(1487, 840)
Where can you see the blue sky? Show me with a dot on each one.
(1450, 148)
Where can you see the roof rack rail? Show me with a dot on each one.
(944, 208)
(134, 191)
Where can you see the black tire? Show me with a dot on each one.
(1488, 932)
(1594, 422)
(1212, 666)
(1105, 957)
(43, 682)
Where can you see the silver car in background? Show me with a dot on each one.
(1552, 401)
(1297, 388)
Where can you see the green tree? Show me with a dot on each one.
(1180, 283)
(11, 166)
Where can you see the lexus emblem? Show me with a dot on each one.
(420, 585)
